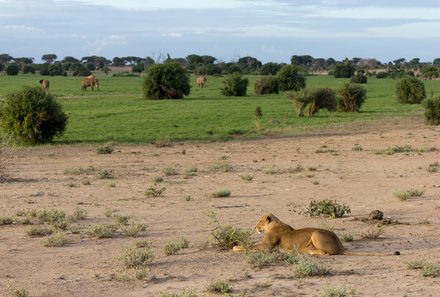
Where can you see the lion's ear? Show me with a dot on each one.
(269, 219)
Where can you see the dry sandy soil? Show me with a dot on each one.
(43, 178)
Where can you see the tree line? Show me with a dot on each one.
(208, 65)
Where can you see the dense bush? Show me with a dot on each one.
(291, 79)
(12, 69)
(28, 69)
(166, 81)
(79, 70)
(32, 116)
(315, 99)
(345, 70)
(410, 90)
(351, 97)
(138, 68)
(383, 74)
(1, 67)
(234, 85)
(359, 78)
(44, 69)
(430, 72)
(57, 70)
(432, 110)
(267, 85)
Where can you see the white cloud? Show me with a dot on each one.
(106, 42)
(172, 34)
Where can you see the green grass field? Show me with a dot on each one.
(119, 113)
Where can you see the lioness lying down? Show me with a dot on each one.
(313, 241)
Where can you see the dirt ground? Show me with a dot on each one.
(346, 167)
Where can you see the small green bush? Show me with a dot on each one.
(12, 69)
(166, 81)
(328, 208)
(222, 193)
(267, 85)
(28, 69)
(432, 110)
(291, 79)
(234, 85)
(359, 78)
(137, 257)
(174, 245)
(20, 293)
(227, 237)
(351, 97)
(410, 90)
(220, 287)
(315, 99)
(55, 240)
(345, 70)
(105, 149)
(6, 220)
(103, 230)
(32, 115)
(39, 231)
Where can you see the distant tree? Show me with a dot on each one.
(351, 97)
(270, 68)
(5, 59)
(98, 61)
(234, 85)
(148, 61)
(436, 62)
(330, 62)
(69, 59)
(193, 61)
(44, 69)
(430, 72)
(232, 67)
(1, 67)
(12, 69)
(28, 69)
(79, 69)
(118, 62)
(49, 58)
(166, 81)
(304, 60)
(344, 70)
(399, 62)
(249, 65)
(24, 60)
(138, 68)
(356, 60)
(291, 79)
(57, 70)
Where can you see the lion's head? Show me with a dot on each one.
(265, 221)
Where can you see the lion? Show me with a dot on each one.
(90, 81)
(200, 81)
(312, 241)
(44, 84)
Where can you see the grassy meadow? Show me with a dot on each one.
(119, 113)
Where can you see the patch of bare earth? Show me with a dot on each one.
(342, 167)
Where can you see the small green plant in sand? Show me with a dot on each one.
(174, 245)
(226, 237)
(427, 269)
(222, 287)
(222, 193)
(55, 240)
(408, 194)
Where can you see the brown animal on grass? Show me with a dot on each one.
(200, 81)
(313, 241)
(90, 81)
(44, 84)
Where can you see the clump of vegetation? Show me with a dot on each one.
(169, 171)
(166, 81)
(327, 208)
(374, 233)
(221, 167)
(137, 256)
(267, 85)
(6, 220)
(258, 117)
(226, 237)
(410, 90)
(247, 177)
(55, 240)
(174, 245)
(183, 293)
(337, 292)
(432, 110)
(315, 99)
(427, 269)
(105, 149)
(32, 116)
(153, 191)
(433, 167)
(262, 259)
(344, 70)
(39, 231)
(105, 174)
(307, 266)
(102, 230)
(408, 194)
(121, 220)
(20, 293)
(133, 230)
(5, 156)
(78, 214)
(234, 85)
(54, 217)
(404, 149)
(351, 97)
(80, 171)
(359, 78)
(222, 193)
(290, 79)
(220, 287)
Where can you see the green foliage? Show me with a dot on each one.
(306, 266)
(291, 79)
(6, 220)
(432, 110)
(183, 293)
(327, 208)
(166, 81)
(57, 70)
(267, 85)
(39, 231)
(55, 240)
(410, 90)
(433, 167)
(12, 69)
(351, 97)
(222, 193)
(28, 69)
(102, 231)
(32, 116)
(226, 237)
(220, 287)
(20, 293)
(359, 78)
(105, 149)
(315, 99)
(262, 259)
(345, 70)
(427, 269)
(174, 245)
(408, 194)
(234, 85)
(137, 257)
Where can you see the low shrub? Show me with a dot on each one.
(432, 110)
(410, 90)
(267, 85)
(234, 85)
(55, 240)
(174, 245)
(137, 257)
(290, 78)
(359, 78)
(351, 97)
(220, 287)
(166, 81)
(315, 99)
(328, 208)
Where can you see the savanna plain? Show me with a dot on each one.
(127, 201)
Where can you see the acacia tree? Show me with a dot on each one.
(49, 58)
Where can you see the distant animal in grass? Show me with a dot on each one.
(44, 84)
(90, 81)
(201, 80)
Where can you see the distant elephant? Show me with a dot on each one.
(90, 81)
(44, 84)
(201, 81)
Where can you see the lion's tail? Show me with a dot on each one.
(350, 253)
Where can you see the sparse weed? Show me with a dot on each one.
(55, 240)
(307, 266)
(78, 214)
(404, 149)
(133, 230)
(6, 220)
(337, 292)
(121, 220)
(222, 193)
(433, 167)
(183, 293)
(226, 237)
(154, 192)
(357, 148)
(137, 257)
(262, 259)
(102, 230)
(427, 269)
(408, 194)
(174, 245)
(141, 273)
(108, 212)
(39, 231)
(105, 149)
(170, 171)
(327, 208)
(80, 171)
(20, 293)
(221, 167)
(222, 287)
(157, 179)
(346, 237)
(105, 174)
(325, 149)
(247, 177)
(372, 233)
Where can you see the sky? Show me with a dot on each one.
(269, 30)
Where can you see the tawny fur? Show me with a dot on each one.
(44, 84)
(89, 81)
(200, 81)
